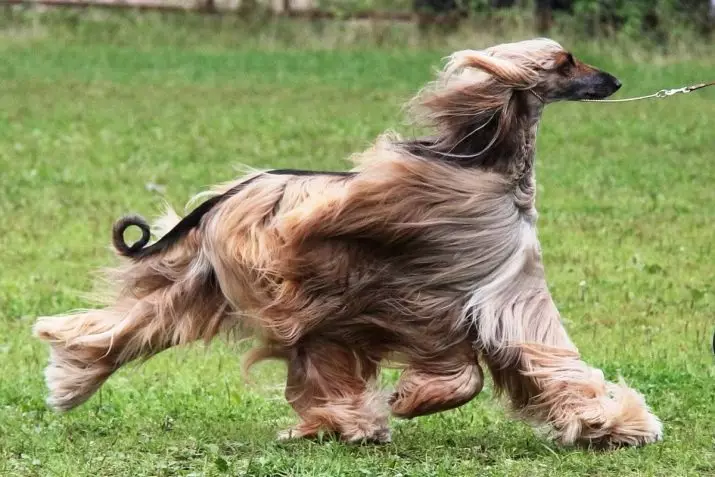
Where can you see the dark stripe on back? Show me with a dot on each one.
(193, 219)
(300, 172)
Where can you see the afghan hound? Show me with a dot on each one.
(424, 254)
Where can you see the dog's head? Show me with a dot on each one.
(483, 96)
(562, 77)
(541, 66)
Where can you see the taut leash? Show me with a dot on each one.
(663, 93)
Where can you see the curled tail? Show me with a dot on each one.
(120, 226)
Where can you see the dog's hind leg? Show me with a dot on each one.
(87, 347)
(331, 388)
(438, 384)
(77, 367)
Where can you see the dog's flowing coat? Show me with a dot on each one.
(425, 254)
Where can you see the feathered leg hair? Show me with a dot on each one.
(157, 303)
(533, 361)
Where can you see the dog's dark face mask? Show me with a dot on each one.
(572, 80)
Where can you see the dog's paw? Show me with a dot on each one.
(301, 432)
(655, 430)
(380, 435)
(635, 433)
(634, 424)
(286, 435)
(290, 434)
(72, 382)
(649, 431)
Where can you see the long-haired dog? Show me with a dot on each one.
(425, 254)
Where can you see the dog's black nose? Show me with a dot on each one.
(616, 84)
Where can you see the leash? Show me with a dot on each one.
(663, 93)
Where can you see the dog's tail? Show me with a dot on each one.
(155, 302)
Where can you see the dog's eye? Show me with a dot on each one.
(567, 64)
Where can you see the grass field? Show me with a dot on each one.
(94, 127)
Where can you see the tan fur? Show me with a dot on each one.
(427, 255)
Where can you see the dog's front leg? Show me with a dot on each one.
(533, 360)
(427, 387)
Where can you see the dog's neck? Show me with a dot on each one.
(526, 179)
(472, 143)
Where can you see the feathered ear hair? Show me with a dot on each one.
(472, 84)
(505, 71)
(473, 94)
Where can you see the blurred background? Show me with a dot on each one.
(655, 19)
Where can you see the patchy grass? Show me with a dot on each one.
(90, 130)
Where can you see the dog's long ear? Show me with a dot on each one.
(472, 83)
(474, 89)
(504, 71)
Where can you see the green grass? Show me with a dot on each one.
(87, 125)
